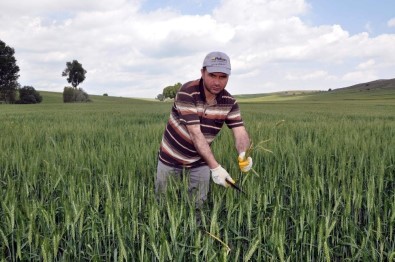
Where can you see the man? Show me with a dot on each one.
(200, 109)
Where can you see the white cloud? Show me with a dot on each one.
(367, 64)
(391, 22)
(253, 11)
(131, 52)
(359, 76)
(318, 74)
(50, 7)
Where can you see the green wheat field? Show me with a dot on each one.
(77, 183)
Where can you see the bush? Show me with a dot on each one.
(72, 94)
(160, 97)
(68, 94)
(28, 95)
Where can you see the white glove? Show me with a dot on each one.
(219, 176)
(244, 164)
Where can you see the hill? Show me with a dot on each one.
(381, 84)
(382, 89)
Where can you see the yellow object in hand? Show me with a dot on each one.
(245, 164)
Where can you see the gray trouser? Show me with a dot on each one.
(199, 180)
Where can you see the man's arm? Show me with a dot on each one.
(202, 146)
(242, 139)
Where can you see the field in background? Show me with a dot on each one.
(76, 183)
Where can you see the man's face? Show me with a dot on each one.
(214, 83)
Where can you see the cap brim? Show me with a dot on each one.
(216, 69)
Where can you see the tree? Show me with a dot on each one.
(8, 74)
(28, 95)
(171, 91)
(75, 73)
(160, 97)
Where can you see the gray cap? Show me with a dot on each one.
(217, 62)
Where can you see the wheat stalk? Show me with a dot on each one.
(219, 240)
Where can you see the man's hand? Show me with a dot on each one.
(245, 164)
(219, 176)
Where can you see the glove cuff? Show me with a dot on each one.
(242, 156)
(216, 169)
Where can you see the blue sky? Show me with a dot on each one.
(135, 48)
(354, 16)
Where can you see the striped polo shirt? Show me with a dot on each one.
(190, 108)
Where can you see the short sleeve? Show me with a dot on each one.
(233, 118)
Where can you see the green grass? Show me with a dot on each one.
(276, 97)
(77, 181)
